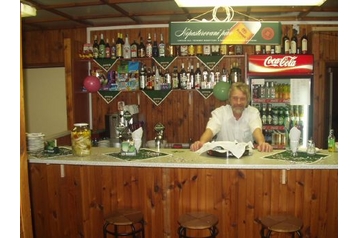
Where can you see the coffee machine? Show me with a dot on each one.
(112, 121)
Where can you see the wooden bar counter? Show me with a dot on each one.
(71, 195)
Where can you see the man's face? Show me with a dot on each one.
(238, 101)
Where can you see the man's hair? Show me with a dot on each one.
(243, 87)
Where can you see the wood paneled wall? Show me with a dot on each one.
(75, 205)
(45, 49)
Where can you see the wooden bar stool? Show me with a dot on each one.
(131, 221)
(281, 224)
(198, 221)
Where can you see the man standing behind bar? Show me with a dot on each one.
(235, 121)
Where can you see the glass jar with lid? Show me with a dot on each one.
(81, 139)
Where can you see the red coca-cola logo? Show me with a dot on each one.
(286, 61)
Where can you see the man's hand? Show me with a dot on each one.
(196, 145)
(264, 147)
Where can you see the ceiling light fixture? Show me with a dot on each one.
(27, 10)
(237, 3)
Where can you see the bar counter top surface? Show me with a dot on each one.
(184, 158)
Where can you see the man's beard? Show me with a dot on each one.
(237, 110)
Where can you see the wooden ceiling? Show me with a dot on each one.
(65, 14)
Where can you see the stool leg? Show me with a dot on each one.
(299, 233)
(104, 230)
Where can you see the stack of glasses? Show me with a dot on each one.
(35, 142)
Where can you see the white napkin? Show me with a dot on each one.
(237, 149)
(295, 134)
(137, 137)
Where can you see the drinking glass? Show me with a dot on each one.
(294, 147)
(311, 148)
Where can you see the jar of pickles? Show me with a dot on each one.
(81, 139)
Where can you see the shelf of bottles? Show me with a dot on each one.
(273, 101)
(195, 67)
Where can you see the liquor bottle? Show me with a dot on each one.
(223, 50)
(157, 79)
(155, 48)
(175, 79)
(95, 47)
(331, 141)
(142, 78)
(141, 48)
(107, 50)
(286, 43)
(149, 47)
(134, 49)
(183, 79)
(126, 48)
(161, 46)
(199, 50)
(235, 73)
(191, 50)
(304, 42)
(207, 50)
(119, 46)
(149, 79)
(257, 49)
(168, 79)
(183, 50)
(101, 48)
(205, 78)
(113, 49)
(215, 50)
(294, 42)
(224, 74)
(191, 78)
(198, 77)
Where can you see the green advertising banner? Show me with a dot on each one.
(225, 33)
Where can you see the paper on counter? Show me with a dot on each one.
(236, 148)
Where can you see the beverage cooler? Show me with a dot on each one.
(281, 88)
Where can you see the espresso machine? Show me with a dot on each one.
(115, 120)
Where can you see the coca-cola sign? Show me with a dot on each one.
(280, 64)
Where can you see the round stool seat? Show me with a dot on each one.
(198, 221)
(281, 224)
(124, 217)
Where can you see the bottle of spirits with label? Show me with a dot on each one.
(294, 42)
(304, 43)
(141, 48)
(149, 47)
(107, 51)
(95, 47)
(286, 43)
(161, 46)
(215, 50)
(191, 78)
(119, 46)
(102, 48)
(113, 49)
(126, 49)
(134, 49)
(183, 79)
(155, 48)
(142, 77)
(175, 79)
(198, 77)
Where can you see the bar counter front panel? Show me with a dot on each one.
(71, 195)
